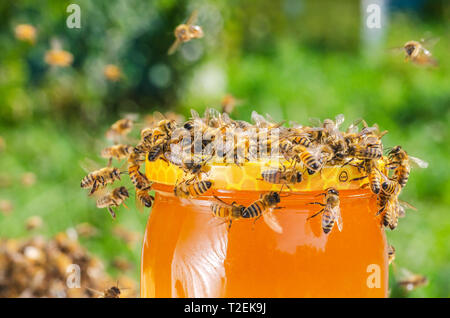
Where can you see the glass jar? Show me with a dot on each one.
(187, 252)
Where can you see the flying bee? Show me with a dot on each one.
(227, 211)
(113, 199)
(410, 281)
(120, 128)
(112, 292)
(400, 161)
(373, 175)
(118, 152)
(417, 53)
(100, 177)
(331, 211)
(25, 32)
(282, 176)
(112, 72)
(56, 56)
(264, 207)
(191, 189)
(228, 103)
(391, 253)
(186, 32)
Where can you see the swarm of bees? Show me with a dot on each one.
(302, 150)
(37, 267)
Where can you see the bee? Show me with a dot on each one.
(191, 189)
(264, 207)
(33, 223)
(56, 56)
(228, 103)
(160, 138)
(144, 197)
(309, 157)
(410, 281)
(227, 211)
(117, 151)
(400, 161)
(282, 176)
(389, 188)
(25, 32)
(120, 128)
(262, 122)
(139, 180)
(417, 53)
(112, 72)
(391, 253)
(113, 199)
(331, 211)
(100, 177)
(373, 175)
(186, 32)
(112, 292)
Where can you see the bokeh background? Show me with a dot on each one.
(293, 59)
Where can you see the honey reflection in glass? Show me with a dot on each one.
(189, 253)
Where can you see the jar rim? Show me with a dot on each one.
(247, 177)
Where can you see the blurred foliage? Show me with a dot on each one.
(292, 59)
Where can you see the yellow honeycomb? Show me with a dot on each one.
(247, 177)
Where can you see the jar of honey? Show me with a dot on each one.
(188, 252)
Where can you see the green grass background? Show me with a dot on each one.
(280, 58)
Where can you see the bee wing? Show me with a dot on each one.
(339, 120)
(429, 42)
(90, 165)
(407, 205)
(272, 221)
(338, 217)
(174, 47)
(315, 121)
(258, 119)
(211, 113)
(193, 17)
(419, 162)
(353, 128)
(195, 115)
(396, 50)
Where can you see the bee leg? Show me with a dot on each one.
(94, 187)
(111, 211)
(316, 203)
(380, 210)
(348, 162)
(229, 225)
(356, 179)
(109, 162)
(164, 159)
(315, 214)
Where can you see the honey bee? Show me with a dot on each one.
(331, 211)
(112, 292)
(388, 202)
(144, 197)
(56, 56)
(391, 253)
(120, 128)
(186, 32)
(228, 103)
(139, 180)
(160, 138)
(282, 176)
(400, 161)
(410, 281)
(25, 32)
(417, 53)
(190, 190)
(100, 177)
(113, 199)
(118, 152)
(227, 211)
(33, 223)
(309, 157)
(264, 207)
(112, 72)
(373, 174)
